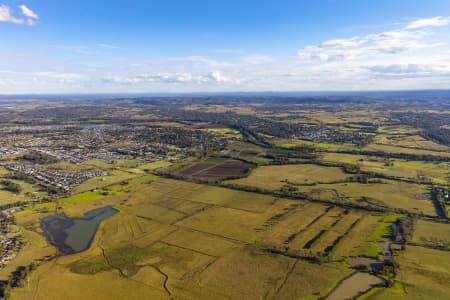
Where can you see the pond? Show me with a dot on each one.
(73, 235)
(355, 285)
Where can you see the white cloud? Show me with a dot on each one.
(6, 15)
(409, 70)
(430, 22)
(28, 12)
(169, 78)
(217, 77)
(372, 45)
(382, 59)
(352, 42)
(394, 35)
(59, 77)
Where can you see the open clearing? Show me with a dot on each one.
(413, 170)
(432, 234)
(274, 177)
(392, 194)
(410, 141)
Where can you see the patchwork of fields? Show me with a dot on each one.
(178, 239)
(252, 202)
(311, 180)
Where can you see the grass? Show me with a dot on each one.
(409, 141)
(155, 165)
(397, 129)
(36, 247)
(395, 149)
(423, 274)
(226, 132)
(431, 234)
(3, 172)
(113, 177)
(83, 198)
(312, 281)
(158, 213)
(259, 274)
(226, 222)
(205, 243)
(100, 164)
(28, 192)
(290, 143)
(335, 232)
(274, 177)
(395, 292)
(254, 159)
(198, 242)
(232, 199)
(437, 172)
(392, 194)
(362, 239)
(306, 238)
(282, 228)
(54, 282)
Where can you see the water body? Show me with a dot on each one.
(354, 286)
(73, 235)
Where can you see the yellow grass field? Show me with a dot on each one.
(274, 177)
(161, 245)
(393, 194)
(395, 149)
(431, 233)
(410, 141)
(435, 171)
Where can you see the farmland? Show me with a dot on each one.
(396, 195)
(153, 234)
(411, 170)
(226, 200)
(274, 177)
(216, 169)
(157, 235)
(431, 234)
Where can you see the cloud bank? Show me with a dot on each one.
(6, 15)
(415, 55)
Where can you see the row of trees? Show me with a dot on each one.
(11, 186)
(17, 279)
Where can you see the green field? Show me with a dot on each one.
(431, 234)
(27, 191)
(423, 274)
(113, 177)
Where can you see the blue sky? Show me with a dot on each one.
(57, 46)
